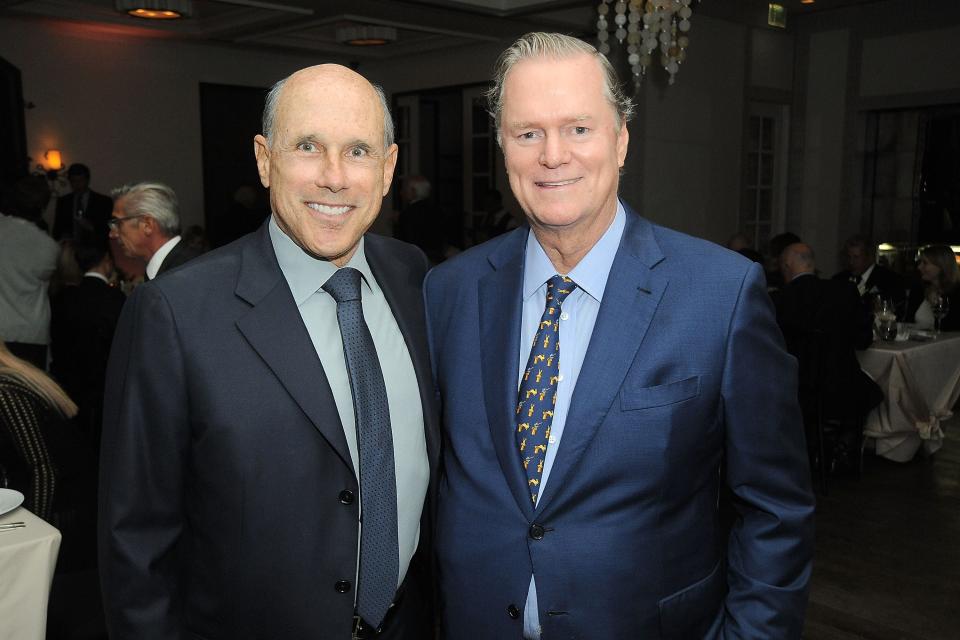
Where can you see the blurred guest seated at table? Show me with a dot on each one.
(870, 278)
(941, 277)
(752, 255)
(824, 325)
(33, 415)
(775, 247)
(81, 331)
(28, 259)
(146, 224)
(81, 203)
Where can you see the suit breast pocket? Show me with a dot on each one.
(633, 398)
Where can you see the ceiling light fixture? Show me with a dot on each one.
(365, 35)
(156, 9)
(647, 25)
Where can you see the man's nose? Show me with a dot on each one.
(555, 152)
(332, 173)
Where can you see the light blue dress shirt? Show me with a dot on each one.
(306, 275)
(577, 317)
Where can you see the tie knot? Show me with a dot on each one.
(558, 288)
(344, 285)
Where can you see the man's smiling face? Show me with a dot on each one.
(325, 163)
(562, 145)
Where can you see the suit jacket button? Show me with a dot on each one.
(536, 531)
(342, 586)
(513, 612)
(346, 497)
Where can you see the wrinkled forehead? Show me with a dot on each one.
(331, 100)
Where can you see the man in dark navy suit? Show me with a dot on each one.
(237, 452)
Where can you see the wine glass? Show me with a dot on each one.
(940, 306)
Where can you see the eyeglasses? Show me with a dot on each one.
(114, 223)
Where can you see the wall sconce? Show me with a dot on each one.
(54, 161)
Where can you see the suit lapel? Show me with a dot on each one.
(630, 300)
(500, 306)
(275, 330)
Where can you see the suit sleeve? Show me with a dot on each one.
(145, 437)
(771, 543)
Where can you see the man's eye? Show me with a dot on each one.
(359, 152)
(529, 135)
(309, 147)
(580, 130)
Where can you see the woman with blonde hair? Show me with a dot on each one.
(941, 277)
(33, 412)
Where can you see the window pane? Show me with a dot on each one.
(481, 119)
(765, 205)
(748, 208)
(767, 134)
(750, 169)
(481, 184)
(754, 133)
(766, 169)
(481, 155)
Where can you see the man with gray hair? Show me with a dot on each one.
(601, 390)
(146, 224)
(264, 396)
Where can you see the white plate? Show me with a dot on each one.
(9, 500)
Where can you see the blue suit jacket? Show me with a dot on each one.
(686, 385)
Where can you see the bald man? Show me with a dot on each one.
(826, 315)
(244, 432)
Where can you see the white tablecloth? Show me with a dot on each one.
(28, 557)
(921, 381)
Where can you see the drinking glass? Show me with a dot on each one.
(940, 306)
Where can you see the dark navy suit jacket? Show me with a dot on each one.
(686, 385)
(224, 460)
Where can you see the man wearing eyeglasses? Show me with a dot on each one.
(146, 224)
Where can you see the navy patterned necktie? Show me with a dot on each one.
(538, 388)
(379, 547)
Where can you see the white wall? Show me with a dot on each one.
(926, 61)
(691, 137)
(124, 103)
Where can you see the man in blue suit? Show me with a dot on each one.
(582, 475)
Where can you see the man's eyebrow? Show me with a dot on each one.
(527, 125)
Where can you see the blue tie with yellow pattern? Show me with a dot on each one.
(379, 547)
(538, 388)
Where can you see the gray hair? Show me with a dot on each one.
(152, 199)
(555, 45)
(273, 99)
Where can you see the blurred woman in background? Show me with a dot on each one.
(941, 278)
(33, 414)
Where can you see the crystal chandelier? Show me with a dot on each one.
(647, 25)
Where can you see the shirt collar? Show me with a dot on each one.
(591, 272)
(153, 266)
(305, 274)
(866, 274)
(96, 274)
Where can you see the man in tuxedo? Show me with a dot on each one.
(582, 473)
(84, 319)
(146, 224)
(263, 395)
(824, 325)
(82, 203)
(870, 278)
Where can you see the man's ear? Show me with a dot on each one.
(261, 149)
(389, 165)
